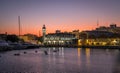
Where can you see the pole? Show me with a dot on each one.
(97, 23)
(39, 33)
(19, 24)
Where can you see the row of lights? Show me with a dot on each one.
(55, 41)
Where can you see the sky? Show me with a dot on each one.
(64, 15)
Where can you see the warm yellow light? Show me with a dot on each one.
(54, 41)
(88, 55)
(104, 43)
(49, 41)
(79, 42)
(79, 49)
(114, 41)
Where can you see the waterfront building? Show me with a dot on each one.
(30, 38)
(99, 42)
(3, 36)
(58, 31)
(58, 38)
(76, 33)
(112, 28)
(101, 36)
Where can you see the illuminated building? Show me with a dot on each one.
(60, 39)
(112, 28)
(30, 38)
(76, 33)
(102, 36)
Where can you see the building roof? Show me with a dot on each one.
(61, 34)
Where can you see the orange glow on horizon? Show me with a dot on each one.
(34, 29)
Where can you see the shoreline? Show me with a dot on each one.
(84, 46)
(66, 46)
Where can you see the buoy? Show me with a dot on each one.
(25, 52)
(54, 50)
(36, 51)
(46, 53)
(17, 54)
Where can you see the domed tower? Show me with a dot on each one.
(43, 32)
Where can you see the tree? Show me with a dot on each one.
(12, 38)
(40, 39)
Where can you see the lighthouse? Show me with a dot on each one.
(43, 32)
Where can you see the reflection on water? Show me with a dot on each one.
(79, 52)
(55, 53)
(87, 56)
(61, 60)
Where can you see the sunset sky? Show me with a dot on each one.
(64, 15)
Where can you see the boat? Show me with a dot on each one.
(17, 54)
(16, 46)
(4, 46)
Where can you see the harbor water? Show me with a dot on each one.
(60, 60)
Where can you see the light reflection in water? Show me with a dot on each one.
(87, 51)
(67, 60)
(60, 50)
(79, 52)
(49, 57)
(49, 51)
(61, 54)
(87, 56)
(53, 56)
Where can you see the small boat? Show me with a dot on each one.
(46, 53)
(4, 45)
(16, 46)
(17, 54)
(25, 52)
(54, 50)
(36, 51)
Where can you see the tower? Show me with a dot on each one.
(43, 32)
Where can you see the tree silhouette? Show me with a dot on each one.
(12, 38)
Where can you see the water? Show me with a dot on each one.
(65, 60)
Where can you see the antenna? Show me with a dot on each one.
(97, 23)
(39, 33)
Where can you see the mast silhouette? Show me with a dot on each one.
(19, 24)
(97, 23)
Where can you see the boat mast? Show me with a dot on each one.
(19, 24)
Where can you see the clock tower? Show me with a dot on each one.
(43, 32)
